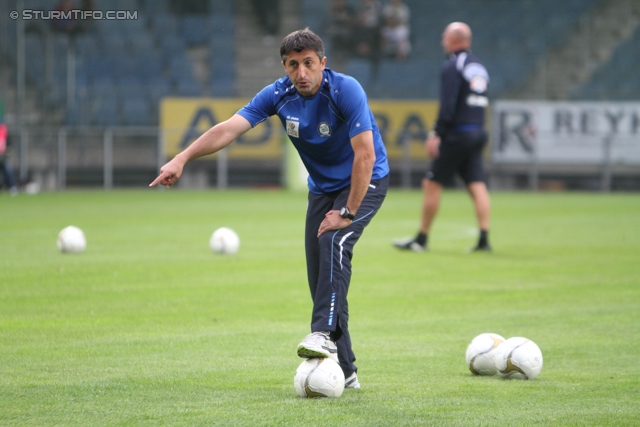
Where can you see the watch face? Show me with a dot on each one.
(344, 213)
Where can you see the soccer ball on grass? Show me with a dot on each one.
(481, 353)
(224, 241)
(319, 378)
(71, 240)
(519, 358)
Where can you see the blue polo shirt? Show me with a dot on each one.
(321, 127)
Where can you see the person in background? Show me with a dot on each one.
(366, 38)
(396, 35)
(67, 23)
(457, 143)
(268, 14)
(7, 173)
(339, 29)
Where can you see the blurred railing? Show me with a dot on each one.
(57, 158)
(520, 156)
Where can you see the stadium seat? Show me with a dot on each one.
(141, 43)
(130, 87)
(195, 29)
(116, 5)
(164, 23)
(156, 89)
(73, 116)
(360, 69)
(147, 65)
(34, 52)
(172, 45)
(616, 79)
(154, 7)
(222, 45)
(223, 7)
(189, 87)
(413, 83)
(134, 27)
(222, 24)
(223, 88)
(180, 67)
(114, 45)
(135, 112)
(37, 4)
(105, 112)
(86, 45)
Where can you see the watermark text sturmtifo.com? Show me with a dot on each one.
(75, 14)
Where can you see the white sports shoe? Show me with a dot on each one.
(410, 245)
(318, 344)
(352, 382)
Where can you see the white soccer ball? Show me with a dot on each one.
(481, 353)
(71, 240)
(224, 241)
(519, 358)
(319, 378)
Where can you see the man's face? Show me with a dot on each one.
(305, 71)
(447, 41)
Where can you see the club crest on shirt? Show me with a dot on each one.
(324, 129)
(478, 84)
(293, 128)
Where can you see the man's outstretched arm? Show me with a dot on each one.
(212, 141)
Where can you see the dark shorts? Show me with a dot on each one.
(460, 153)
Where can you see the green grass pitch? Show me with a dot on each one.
(149, 327)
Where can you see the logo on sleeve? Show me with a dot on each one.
(324, 129)
(478, 84)
(293, 128)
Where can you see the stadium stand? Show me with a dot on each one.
(138, 61)
(507, 37)
(616, 79)
(122, 68)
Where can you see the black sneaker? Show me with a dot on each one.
(409, 245)
(480, 248)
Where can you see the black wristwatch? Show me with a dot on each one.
(346, 213)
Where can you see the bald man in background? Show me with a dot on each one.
(458, 139)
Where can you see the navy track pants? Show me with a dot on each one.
(329, 264)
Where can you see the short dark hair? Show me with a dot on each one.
(301, 40)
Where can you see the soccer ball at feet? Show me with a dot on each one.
(224, 241)
(519, 358)
(481, 353)
(71, 239)
(319, 378)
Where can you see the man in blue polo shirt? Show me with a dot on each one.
(328, 120)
